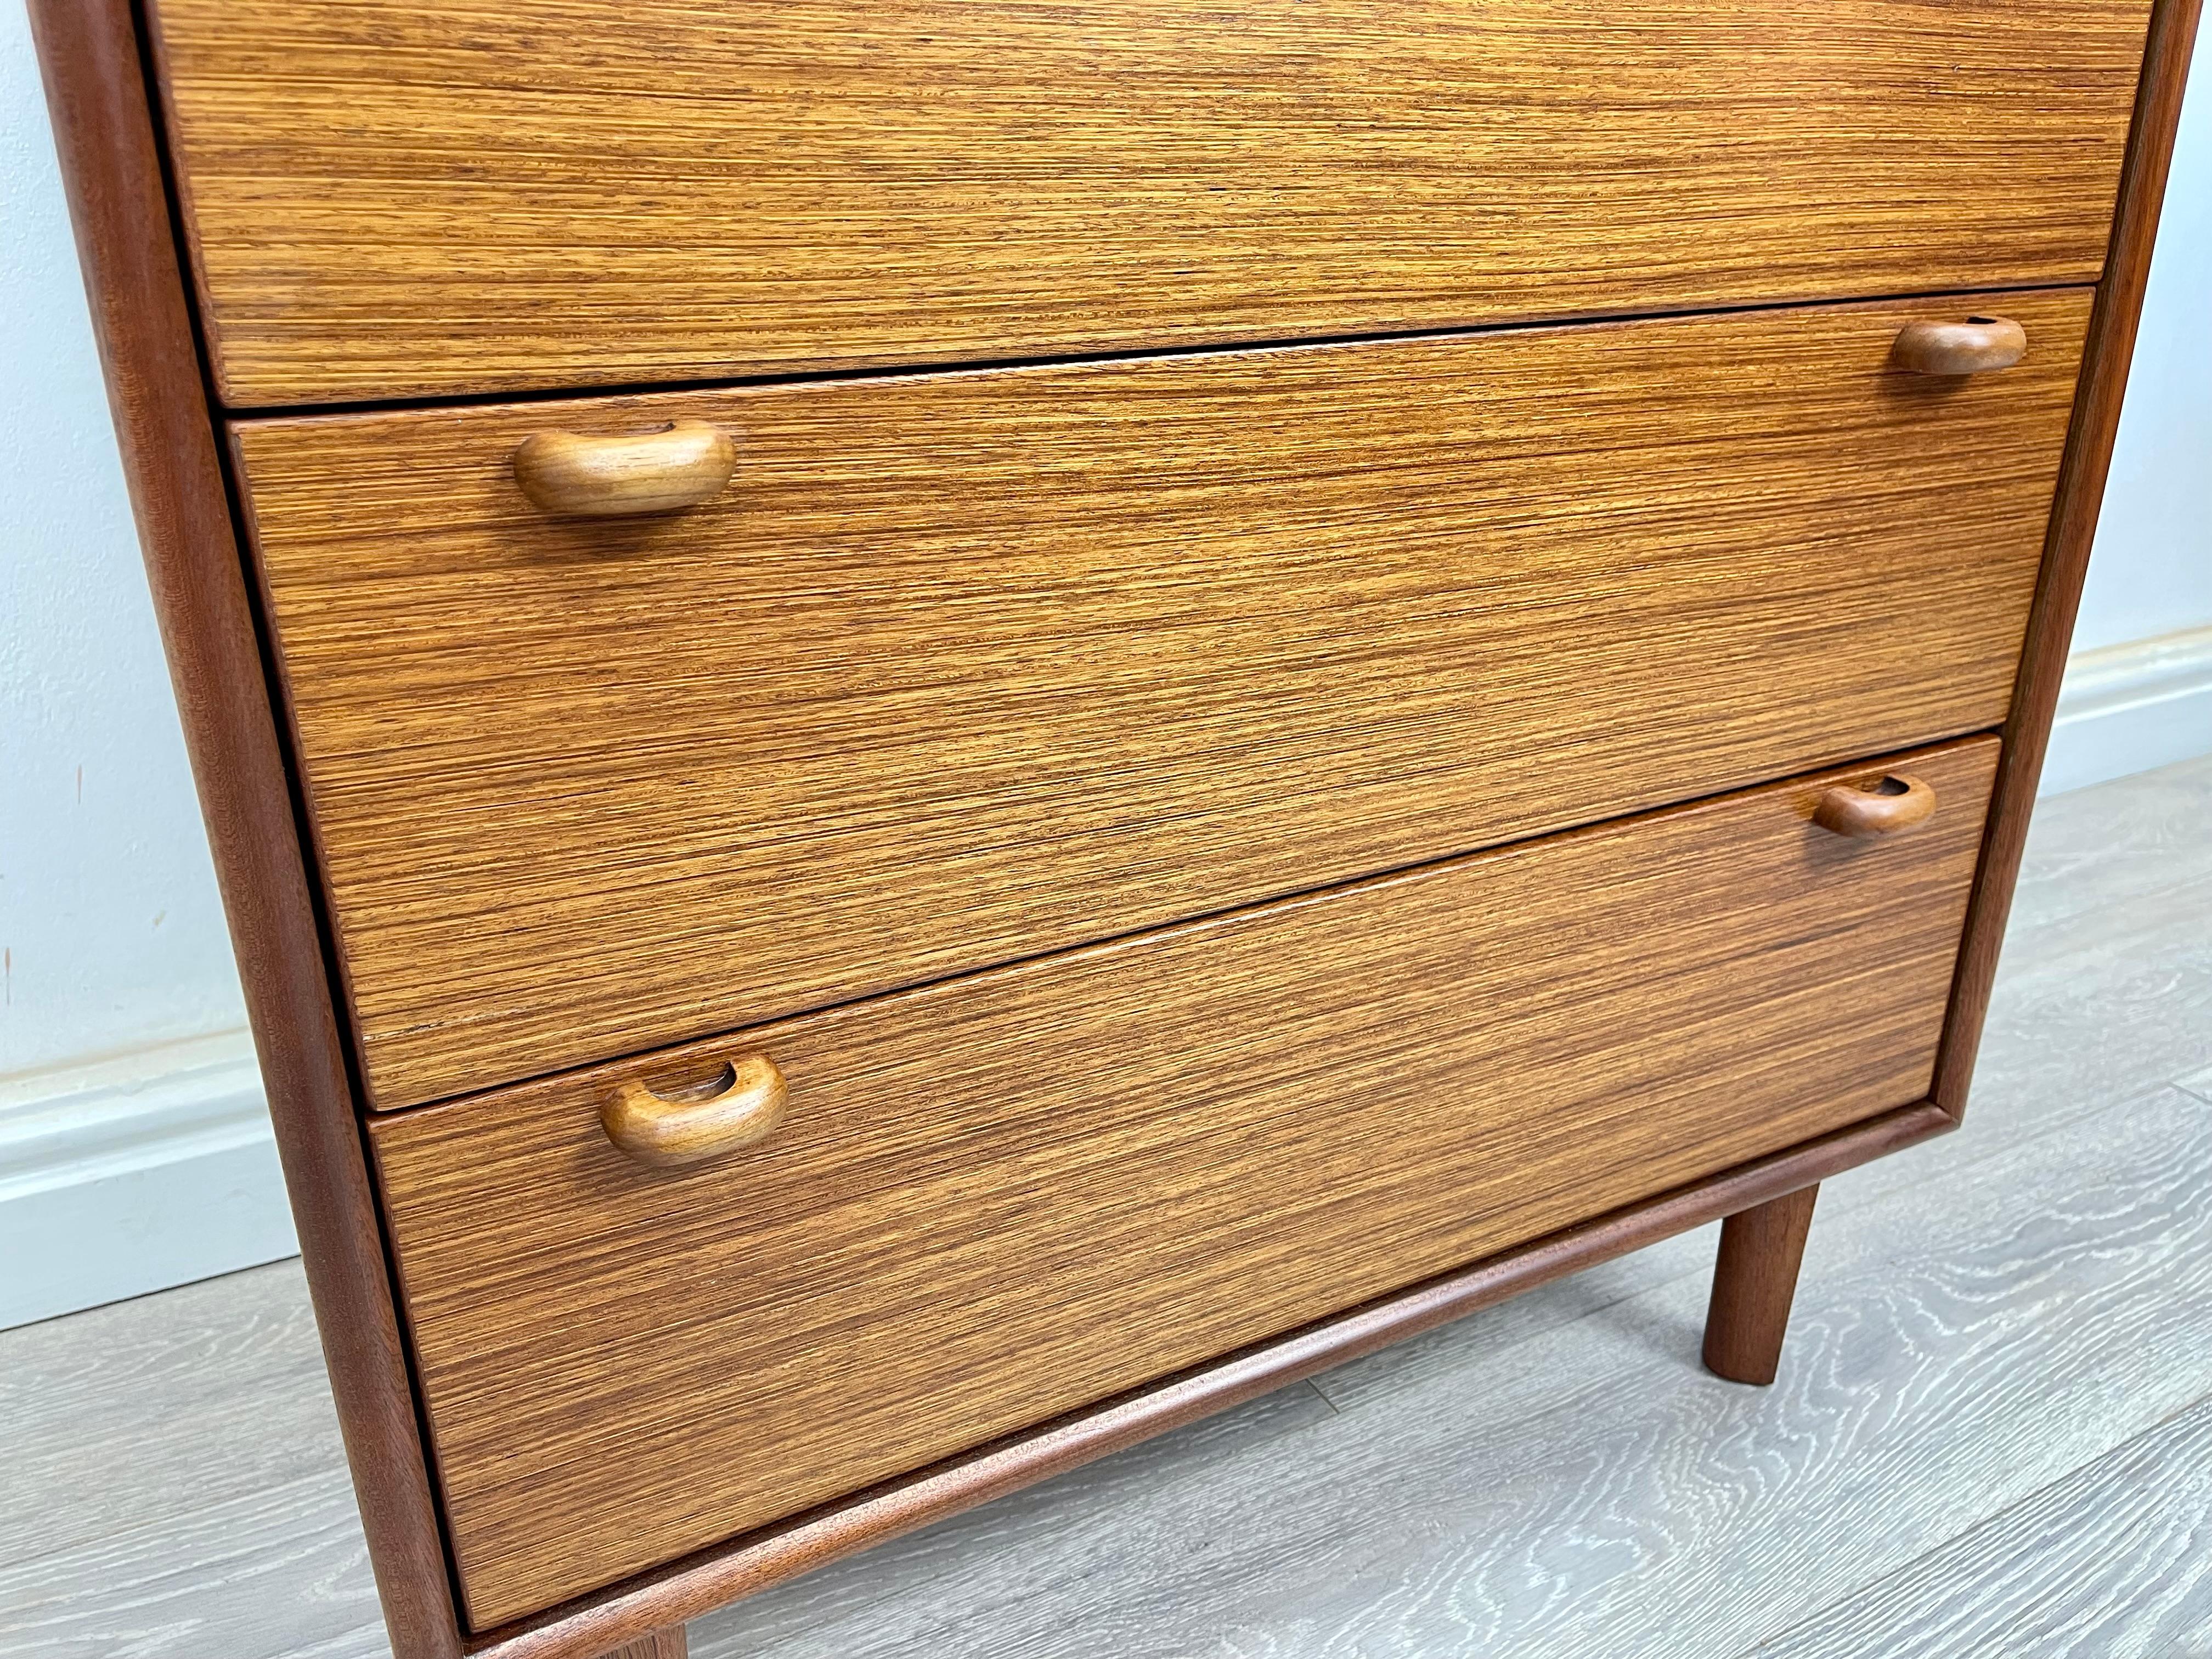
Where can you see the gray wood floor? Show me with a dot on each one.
(1992, 1435)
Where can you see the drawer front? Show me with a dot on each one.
(964, 668)
(440, 197)
(1004, 1197)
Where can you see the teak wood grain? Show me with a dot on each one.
(94, 72)
(961, 668)
(577, 476)
(741, 1102)
(390, 200)
(669, 1643)
(1001, 1197)
(1754, 1282)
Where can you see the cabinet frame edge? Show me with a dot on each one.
(2081, 475)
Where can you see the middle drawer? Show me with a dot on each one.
(965, 667)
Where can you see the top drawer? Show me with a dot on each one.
(451, 196)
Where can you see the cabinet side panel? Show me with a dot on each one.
(2082, 476)
(89, 54)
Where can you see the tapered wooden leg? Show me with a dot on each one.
(667, 1642)
(1753, 1283)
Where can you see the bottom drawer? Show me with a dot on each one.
(1000, 1198)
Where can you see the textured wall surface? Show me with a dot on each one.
(135, 1150)
(108, 917)
(2152, 573)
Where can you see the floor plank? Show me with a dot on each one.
(279, 1572)
(2112, 1562)
(2105, 987)
(2098, 1008)
(2096, 847)
(152, 1386)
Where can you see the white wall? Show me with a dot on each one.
(2139, 690)
(134, 1148)
(114, 935)
(133, 1143)
(2152, 572)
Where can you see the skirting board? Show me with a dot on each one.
(133, 1173)
(2129, 708)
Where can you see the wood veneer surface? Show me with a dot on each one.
(388, 200)
(1001, 1197)
(963, 668)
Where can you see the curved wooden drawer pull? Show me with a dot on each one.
(1894, 805)
(1977, 344)
(745, 1106)
(684, 464)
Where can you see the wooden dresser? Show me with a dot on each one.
(941, 730)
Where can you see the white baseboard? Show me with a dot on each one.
(133, 1173)
(2129, 708)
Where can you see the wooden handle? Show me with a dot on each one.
(684, 464)
(1977, 344)
(745, 1106)
(1894, 805)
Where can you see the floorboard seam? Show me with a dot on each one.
(2023, 1501)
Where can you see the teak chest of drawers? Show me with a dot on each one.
(940, 731)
